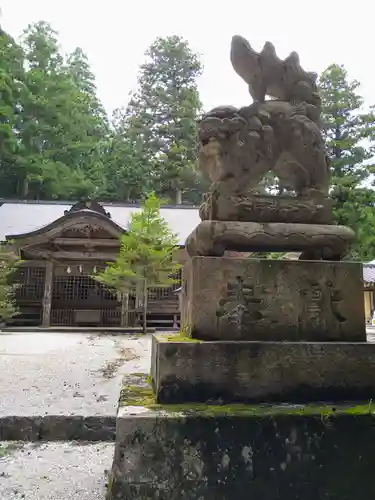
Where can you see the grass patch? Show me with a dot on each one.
(177, 337)
(7, 449)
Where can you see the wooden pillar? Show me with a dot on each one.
(124, 321)
(47, 297)
(138, 295)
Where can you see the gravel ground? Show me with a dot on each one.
(67, 373)
(54, 471)
(370, 333)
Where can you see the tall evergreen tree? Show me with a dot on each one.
(81, 73)
(45, 100)
(128, 177)
(11, 83)
(63, 123)
(162, 116)
(92, 123)
(147, 256)
(348, 131)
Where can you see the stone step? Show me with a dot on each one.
(58, 471)
(58, 428)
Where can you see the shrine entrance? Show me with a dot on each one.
(79, 300)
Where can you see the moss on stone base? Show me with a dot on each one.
(177, 337)
(143, 395)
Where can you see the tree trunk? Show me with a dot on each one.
(25, 188)
(178, 197)
(145, 307)
(22, 188)
(124, 320)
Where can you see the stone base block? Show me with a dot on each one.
(213, 238)
(257, 299)
(243, 453)
(261, 371)
(224, 205)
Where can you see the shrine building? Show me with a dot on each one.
(62, 245)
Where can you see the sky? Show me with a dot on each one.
(115, 34)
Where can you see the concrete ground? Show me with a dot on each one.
(370, 333)
(67, 373)
(62, 374)
(54, 471)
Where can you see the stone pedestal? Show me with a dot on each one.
(250, 299)
(213, 238)
(261, 371)
(268, 453)
(259, 330)
(223, 205)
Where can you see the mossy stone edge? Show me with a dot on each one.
(142, 395)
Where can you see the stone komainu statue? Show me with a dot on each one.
(281, 135)
(243, 150)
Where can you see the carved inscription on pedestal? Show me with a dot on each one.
(251, 299)
(336, 302)
(248, 305)
(323, 302)
(314, 299)
(243, 305)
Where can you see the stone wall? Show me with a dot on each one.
(270, 457)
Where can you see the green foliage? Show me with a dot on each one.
(11, 76)
(128, 173)
(59, 126)
(56, 141)
(147, 254)
(162, 117)
(8, 262)
(349, 132)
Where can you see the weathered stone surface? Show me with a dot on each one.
(250, 299)
(167, 455)
(265, 73)
(219, 205)
(57, 428)
(277, 137)
(262, 371)
(15, 428)
(213, 238)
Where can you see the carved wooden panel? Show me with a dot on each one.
(85, 230)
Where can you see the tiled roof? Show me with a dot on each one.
(369, 273)
(21, 217)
